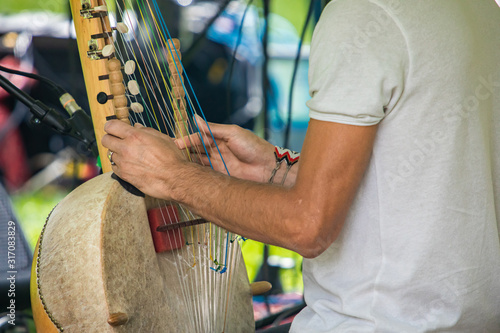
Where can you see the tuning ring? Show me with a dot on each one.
(110, 157)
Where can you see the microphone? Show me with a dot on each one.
(80, 122)
(78, 125)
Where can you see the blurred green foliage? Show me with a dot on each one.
(294, 11)
(16, 6)
(290, 277)
(33, 208)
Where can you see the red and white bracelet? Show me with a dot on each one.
(282, 154)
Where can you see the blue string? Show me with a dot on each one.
(165, 30)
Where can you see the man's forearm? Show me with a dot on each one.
(244, 207)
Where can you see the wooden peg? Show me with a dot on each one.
(122, 113)
(260, 287)
(137, 107)
(120, 101)
(176, 43)
(133, 87)
(175, 68)
(115, 77)
(121, 27)
(108, 50)
(178, 92)
(98, 11)
(173, 55)
(114, 65)
(117, 319)
(129, 67)
(101, 8)
(117, 89)
(176, 80)
(180, 106)
(181, 129)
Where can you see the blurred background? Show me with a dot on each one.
(249, 87)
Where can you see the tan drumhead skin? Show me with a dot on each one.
(96, 257)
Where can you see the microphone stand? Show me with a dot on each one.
(78, 125)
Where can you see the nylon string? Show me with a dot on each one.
(204, 275)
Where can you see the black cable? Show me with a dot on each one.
(55, 87)
(294, 74)
(233, 58)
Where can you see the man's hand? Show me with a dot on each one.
(142, 155)
(245, 154)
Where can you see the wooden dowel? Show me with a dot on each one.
(117, 319)
(184, 224)
(260, 287)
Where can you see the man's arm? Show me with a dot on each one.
(306, 217)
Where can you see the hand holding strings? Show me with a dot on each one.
(246, 155)
(142, 156)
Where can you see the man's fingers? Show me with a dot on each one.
(186, 141)
(208, 129)
(118, 128)
(152, 131)
(192, 141)
(112, 142)
(206, 135)
(201, 123)
(204, 160)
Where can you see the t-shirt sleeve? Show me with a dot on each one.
(357, 64)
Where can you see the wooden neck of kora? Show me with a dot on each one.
(103, 72)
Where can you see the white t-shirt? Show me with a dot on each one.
(420, 249)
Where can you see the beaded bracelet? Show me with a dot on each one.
(282, 154)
